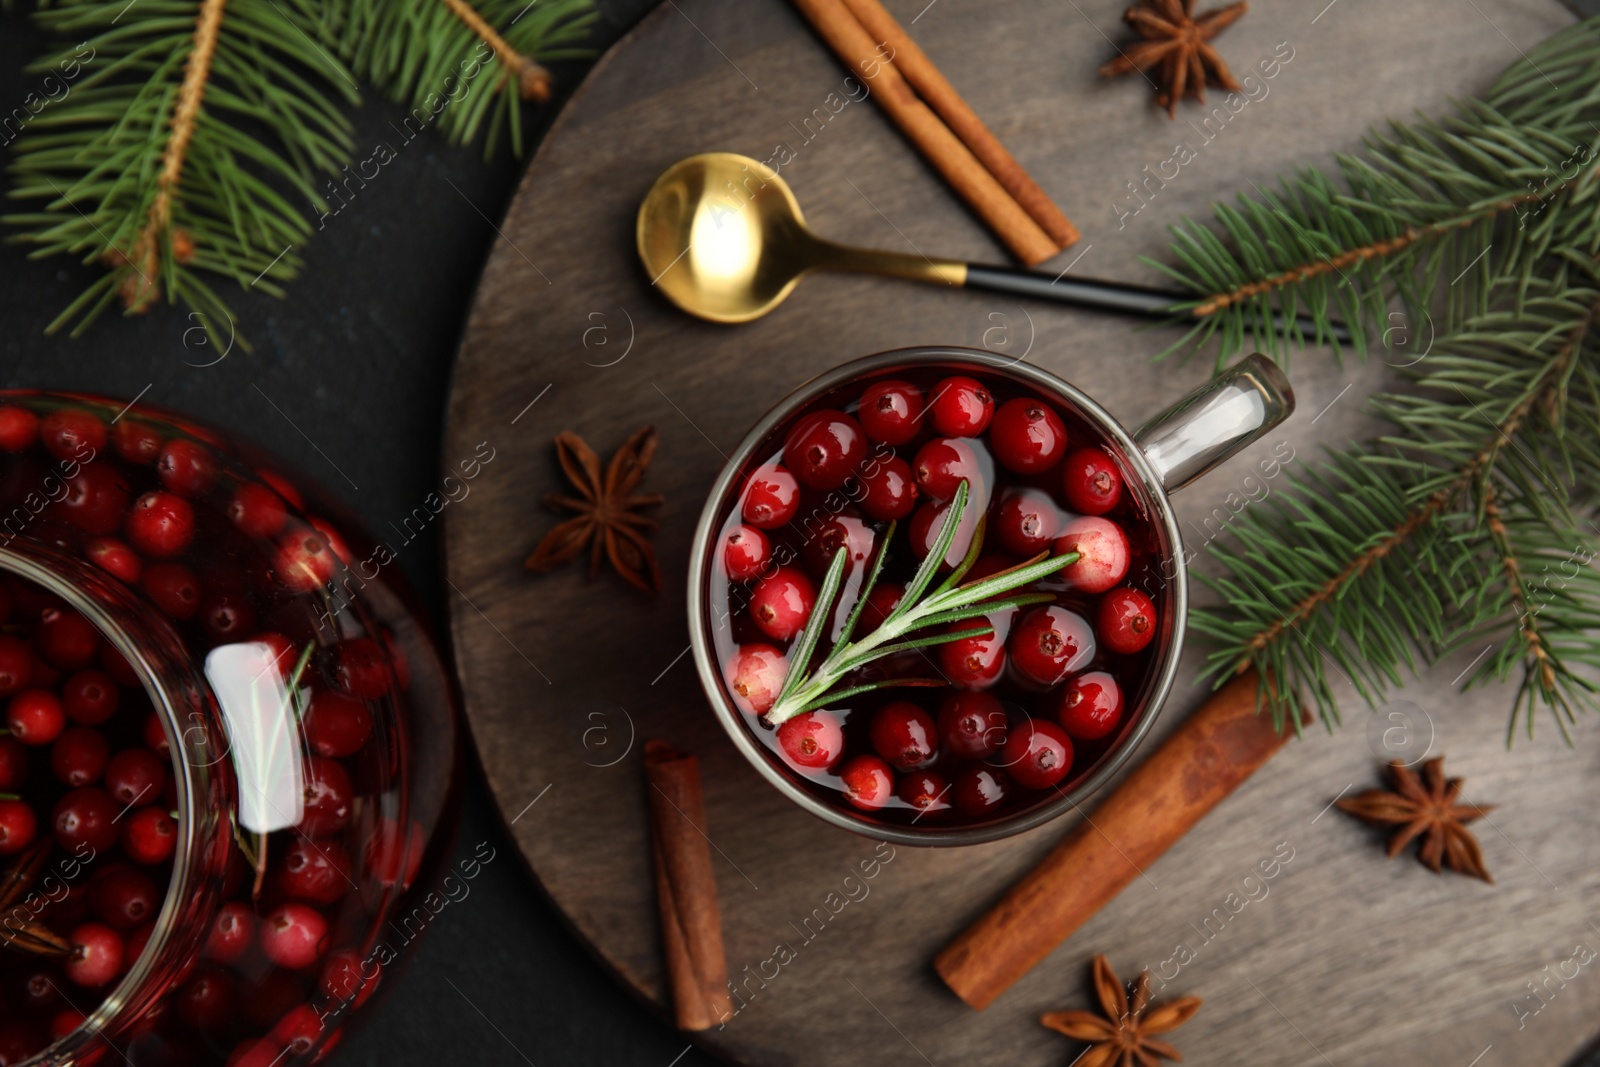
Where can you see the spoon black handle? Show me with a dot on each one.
(1109, 296)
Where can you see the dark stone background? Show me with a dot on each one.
(359, 356)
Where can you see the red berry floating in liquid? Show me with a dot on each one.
(79, 756)
(149, 836)
(1027, 436)
(97, 496)
(928, 522)
(294, 936)
(846, 531)
(96, 955)
(73, 434)
(86, 816)
(1038, 754)
(972, 725)
(35, 717)
(19, 428)
(18, 826)
(812, 740)
(1091, 706)
(904, 735)
(889, 489)
(782, 602)
(1091, 481)
(66, 639)
(232, 932)
(161, 524)
(115, 558)
(1049, 643)
(745, 553)
(824, 449)
(771, 497)
(360, 668)
(337, 725)
(945, 462)
(925, 791)
(16, 665)
(1027, 522)
(978, 792)
(173, 588)
(891, 412)
(960, 407)
(257, 511)
(755, 674)
(868, 782)
(136, 442)
(327, 797)
(974, 662)
(1126, 621)
(316, 872)
(135, 775)
(187, 467)
(123, 897)
(1103, 554)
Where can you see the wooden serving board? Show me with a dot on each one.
(1347, 958)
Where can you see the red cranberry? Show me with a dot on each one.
(137, 442)
(1027, 522)
(344, 980)
(979, 791)
(974, 662)
(149, 836)
(889, 491)
(393, 855)
(232, 932)
(35, 717)
(155, 736)
(294, 936)
(927, 523)
(1027, 436)
(746, 553)
(160, 524)
(227, 616)
(86, 816)
(79, 756)
(771, 497)
(1091, 706)
(336, 541)
(868, 782)
(961, 407)
(304, 561)
(19, 428)
(134, 775)
(1038, 754)
(297, 1032)
(209, 1000)
(891, 412)
(945, 462)
(360, 668)
(1127, 620)
(846, 531)
(72, 433)
(317, 872)
(173, 588)
(755, 674)
(187, 467)
(1103, 554)
(1049, 643)
(928, 793)
(13, 764)
(782, 602)
(881, 603)
(63, 1023)
(257, 511)
(1091, 481)
(16, 665)
(813, 740)
(972, 725)
(824, 449)
(904, 735)
(123, 897)
(96, 955)
(327, 797)
(18, 826)
(97, 496)
(337, 725)
(67, 639)
(115, 558)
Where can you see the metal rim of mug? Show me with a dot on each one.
(706, 529)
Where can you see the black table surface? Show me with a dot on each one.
(347, 380)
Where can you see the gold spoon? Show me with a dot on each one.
(723, 237)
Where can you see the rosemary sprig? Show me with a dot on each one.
(918, 609)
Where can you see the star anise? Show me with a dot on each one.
(608, 520)
(1175, 46)
(27, 935)
(1425, 806)
(1125, 1034)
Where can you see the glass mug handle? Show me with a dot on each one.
(1215, 421)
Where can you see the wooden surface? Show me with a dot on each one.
(1348, 958)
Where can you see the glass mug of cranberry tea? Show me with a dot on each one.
(229, 742)
(1016, 722)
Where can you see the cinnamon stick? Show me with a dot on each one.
(1215, 749)
(686, 889)
(943, 149)
(934, 88)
